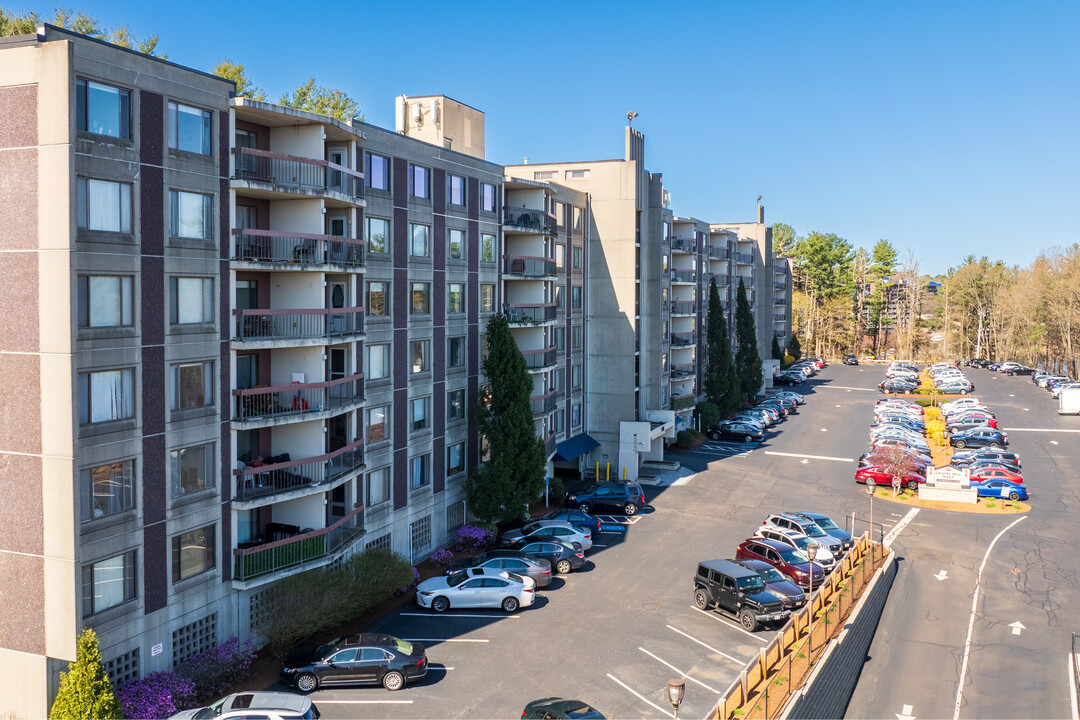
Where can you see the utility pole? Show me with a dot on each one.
(978, 336)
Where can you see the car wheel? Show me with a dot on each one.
(963, 392)
(393, 680)
(510, 604)
(584, 507)
(748, 438)
(907, 392)
(960, 444)
(912, 485)
(440, 604)
(563, 567)
(629, 508)
(994, 444)
(714, 436)
(1014, 496)
(701, 600)
(307, 682)
(747, 620)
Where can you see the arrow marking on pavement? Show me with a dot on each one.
(1053, 442)
(804, 461)
(942, 575)
(905, 714)
(1018, 627)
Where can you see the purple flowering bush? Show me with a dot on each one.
(416, 581)
(158, 695)
(217, 669)
(441, 557)
(474, 537)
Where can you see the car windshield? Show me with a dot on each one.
(325, 650)
(209, 712)
(457, 578)
(751, 584)
(813, 530)
(794, 557)
(825, 524)
(531, 528)
(403, 646)
(771, 575)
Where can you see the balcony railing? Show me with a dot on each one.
(719, 253)
(272, 246)
(529, 312)
(297, 172)
(780, 334)
(528, 219)
(549, 443)
(683, 276)
(683, 244)
(537, 359)
(683, 339)
(681, 402)
(779, 302)
(300, 548)
(266, 480)
(683, 307)
(683, 370)
(297, 398)
(722, 280)
(779, 286)
(541, 404)
(528, 266)
(779, 318)
(275, 324)
(744, 258)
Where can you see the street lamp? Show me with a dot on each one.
(675, 690)
(811, 552)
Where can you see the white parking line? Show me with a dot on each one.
(733, 626)
(456, 615)
(710, 648)
(1061, 430)
(677, 670)
(810, 457)
(438, 667)
(843, 387)
(599, 546)
(445, 640)
(364, 702)
(1072, 686)
(899, 527)
(641, 697)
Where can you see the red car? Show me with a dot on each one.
(996, 473)
(789, 561)
(881, 476)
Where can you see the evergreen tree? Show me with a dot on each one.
(513, 475)
(777, 353)
(324, 101)
(85, 689)
(721, 381)
(747, 360)
(795, 349)
(238, 74)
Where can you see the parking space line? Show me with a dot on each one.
(844, 387)
(364, 702)
(733, 626)
(444, 615)
(599, 546)
(707, 647)
(641, 697)
(677, 670)
(472, 640)
(438, 667)
(809, 457)
(1060, 430)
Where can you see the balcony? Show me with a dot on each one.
(682, 402)
(683, 307)
(780, 334)
(297, 399)
(549, 444)
(540, 359)
(527, 220)
(722, 281)
(263, 481)
(744, 258)
(292, 174)
(719, 253)
(545, 403)
(295, 250)
(779, 302)
(683, 370)
(780, 286)
(297, 325)
(299, 550)
(530, 313)
(683, 276)
(683, 244)
(529, 267)
(779, 318)
(683, 339)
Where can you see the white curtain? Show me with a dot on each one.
(111, 395)
(109, 206)
(377, 361)
(108, 583)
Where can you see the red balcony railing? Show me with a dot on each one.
(266, 480)
(282, 324)
(297, 549)
(297, 172)
(297, 398)
(530, 312)
(528, 266)
(536, 359)
(274, 246)
(683, 338)
(543, 403)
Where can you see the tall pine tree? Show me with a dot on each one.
(85, 690)
(513, 475)
(794, 348)
(777, 353)
(721, 382)
(747, 359)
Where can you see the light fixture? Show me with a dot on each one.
(630, 117)
(675, 690)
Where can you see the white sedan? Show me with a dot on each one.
(477, 588)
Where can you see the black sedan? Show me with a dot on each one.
(366, 659)
(562, 557)
(788, 379)
(979, 437)
(560, 709)
(747, 432)
(896, 385)
(1022, 370)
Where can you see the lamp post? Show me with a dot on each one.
(675, 690)
(811, 552)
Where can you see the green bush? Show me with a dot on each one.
(708, 414)
(686, 438)
(556, 490)
(85, 689)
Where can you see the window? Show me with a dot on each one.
(575, 297)
(560, 422)
(378, 423)
(575, 337)
(418, 413)
(106, 395)
(455, 189)
(456, 302)
(487, 197)
(455, 459)
(191, 215)
(575, 415)
(420, 538)
(189, 129)
(421, 356)
(102, 109)
(378, 362)
(418, 240)
(560, 297)
(191, 300)
(378, 299)
(455, 242)
(455, 405)
(377, 172)
(107, 489)
(193, 553)
(545, 175)
(576, 174)
(108, 583)
(104, 205)
(193, 385)
(418, 472)
(419, 182)
(378, 488)
(575, 376)
(560, 338)
(455, 352)
(579, 257)
(560, 256)
(376, 234)
(487, 248)
(558, 376)
(192, 469)
(420, 298)
(579, 219)
(105, 301)
(487, 298)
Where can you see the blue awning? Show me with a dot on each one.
(679, 421)
(575, 447)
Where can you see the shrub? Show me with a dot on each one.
(217, 669)
(685, 438)
(708, 414)
(556, 489)
(158, 695)
(475, 537)
(441, 557)
(85, 690)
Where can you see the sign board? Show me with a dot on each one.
(156, 650)
(950, 476)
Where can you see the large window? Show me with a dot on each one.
(575, 337)
(102, 109)
(575, 415)
(378, 424)
(191, 300)
(420, 292)
(106, 395)
(378, 294)
(104, 205)
(107, 489)
(191, 215)
(191, 469)
(377, 235)
(377, 172)
(378, 362)
(378, 487)
(108, 583)
(487, 298)
(419, 417)
(456, 298)
(418, 240)
(455, 405)
(575, 376)
(455, 244)
(455, 352)
(487, 248)
(193, 553)
(560, 256)
(421, 356)
(192, 385)
(575, 297)
(419, 181)
(189, 129)
(487, 197)
(579, 257)
(455, 189)
(455, 459)
(105, 301)
(418, 472)
(560, 297)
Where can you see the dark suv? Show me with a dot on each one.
(626, 498)
(738, 591)
(850, 359)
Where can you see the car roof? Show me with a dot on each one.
(754, 564)
(728, 567)
(264, 700)
(774, 544)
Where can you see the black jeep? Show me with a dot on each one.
(738, 591)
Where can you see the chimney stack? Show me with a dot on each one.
(761, 214)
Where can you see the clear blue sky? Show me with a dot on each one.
(946, 127)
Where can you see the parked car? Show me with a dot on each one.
(1007, 366)
(476, 588)
(788, 379)
(754, 415)
(799, 541)
(747, 432)
(826, 524)
(556, 529)
(774, 406)
(970, 423)
(961, 387)
(576, 517)
(880, 476)
(977, 362)
(368, 658)
(893, 385)
(626, 498)
(800, 524)
(562, 557)
(850, 359)
(738, 591)
(789, 561)
(262, 704)
(980, 437)
(983, 473)
(799, 399)
(1022, 370)
(539, 569)
(559, 709)
(966, 457)
(1001, 489)
(921, 462)
(779, 585)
